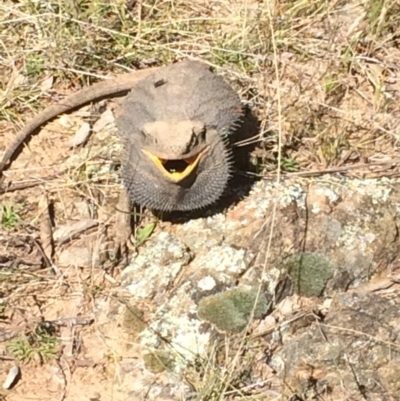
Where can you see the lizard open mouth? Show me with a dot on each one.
(176, 169)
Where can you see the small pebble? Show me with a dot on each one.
(12, 376)
(81, 135)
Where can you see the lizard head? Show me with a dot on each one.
(177, 165)
(175, 147)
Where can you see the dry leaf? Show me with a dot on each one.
(47, 83)
(12, 376)
(66, 121)
(81, 135)
(106, 118)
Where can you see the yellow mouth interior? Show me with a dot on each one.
(175, 170)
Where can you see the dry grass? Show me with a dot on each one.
(339, 81)
(338, 63)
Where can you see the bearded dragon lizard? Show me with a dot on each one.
(175, 125)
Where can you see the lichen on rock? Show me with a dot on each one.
(158, 361)
(328, 237)
(132, 320)
(231, 310)
(156, 266)
(358, 336)
(309, 272)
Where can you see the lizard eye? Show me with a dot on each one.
(199, 133)
(148, 137)
(143, 134)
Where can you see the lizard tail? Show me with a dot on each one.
(114, 87)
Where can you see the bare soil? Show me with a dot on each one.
(323, 78)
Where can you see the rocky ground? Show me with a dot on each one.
(294, 290)
(286, 290)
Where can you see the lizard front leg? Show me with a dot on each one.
(122, 228)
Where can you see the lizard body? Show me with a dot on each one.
(181, 119)
(175, 125)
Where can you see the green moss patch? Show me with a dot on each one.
(309, 272)
(132, 320)
(230, 311)
(158, 361)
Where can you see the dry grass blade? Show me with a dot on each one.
(323, 78)
(46, 232)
